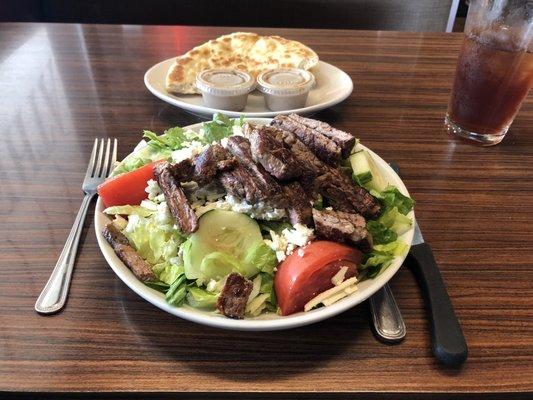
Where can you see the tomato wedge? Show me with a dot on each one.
(308, 272)
(127, 188)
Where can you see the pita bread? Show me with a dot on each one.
(241, 50)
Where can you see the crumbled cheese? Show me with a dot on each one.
(260, 210)
(237, 130)
(329, 208)
(330, 296)
(300, 252)
(189, 150)
(300, 235)
(163, 215)
(285, 243)
(339, 276)
(153, 189)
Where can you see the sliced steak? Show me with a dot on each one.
(271, 153)
(140, 268)
(239, 182)
(344, 195)
(234, 296)
(182, 171)
(306, 159)
(325, 148)
(344, 140)
(299, 208)
(210, 161)
(342, 227)
(176, 200)
(266, 186)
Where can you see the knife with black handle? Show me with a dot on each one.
(447, 339)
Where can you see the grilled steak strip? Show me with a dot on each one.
(342, 227)
(176, 200)
(182, 171)
(344, 140)
(267, 188)
(325, 149)
(140, 268)
(212, 160)
(299, 210)
(271, 153)
(344, 195)
(234, 295)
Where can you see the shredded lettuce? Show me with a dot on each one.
(155, 242)
(129, 210)
(261, 257)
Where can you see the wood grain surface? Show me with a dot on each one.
(63, 85)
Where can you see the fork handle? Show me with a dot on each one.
(54, 295)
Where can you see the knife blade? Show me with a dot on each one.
(447, 340)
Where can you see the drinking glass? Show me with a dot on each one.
(494, 71)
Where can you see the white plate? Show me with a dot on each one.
(264, 322)
(332, 86)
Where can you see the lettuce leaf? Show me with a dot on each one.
(201, 298)
(391, 197)
(381, 257)
(158, 147)
(218, 264)
(177, 291)
(267, 286)
(395, 221)
(380, 233)
(167, 272)
(172, 139)
(155, 242)
(261, 257)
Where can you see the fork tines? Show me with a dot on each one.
(101, 166)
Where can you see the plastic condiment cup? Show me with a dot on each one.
(285, 88)
(225, 89)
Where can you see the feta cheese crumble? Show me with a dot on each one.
(285, 243)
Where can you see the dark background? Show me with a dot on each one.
(347, 14)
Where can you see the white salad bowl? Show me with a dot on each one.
(264, 322)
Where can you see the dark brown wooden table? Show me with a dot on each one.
(63, 85)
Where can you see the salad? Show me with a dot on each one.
(246, 219)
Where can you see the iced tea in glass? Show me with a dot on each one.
(494, 70)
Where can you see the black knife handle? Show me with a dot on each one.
(448, 341)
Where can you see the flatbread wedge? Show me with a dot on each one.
(240, 50)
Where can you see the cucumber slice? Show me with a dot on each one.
(223, 233)
(366, 171)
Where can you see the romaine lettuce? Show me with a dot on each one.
(391, 197)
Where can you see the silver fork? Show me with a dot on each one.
(54, 294)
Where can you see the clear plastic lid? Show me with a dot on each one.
(285, 81)
(225, 82)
